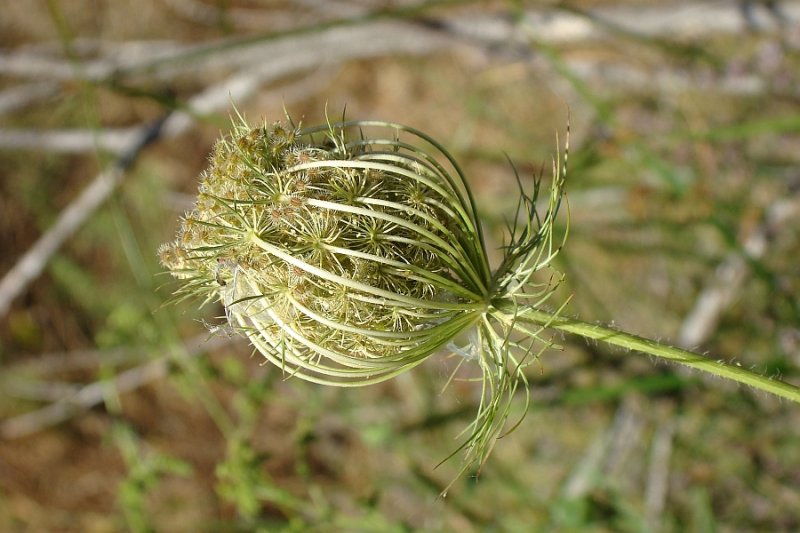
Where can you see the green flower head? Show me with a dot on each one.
(351, 252)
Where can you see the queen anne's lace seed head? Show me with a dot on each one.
(340, 258)
(348, 255)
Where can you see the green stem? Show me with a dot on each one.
(647, 346)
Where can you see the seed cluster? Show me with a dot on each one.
(344, 260)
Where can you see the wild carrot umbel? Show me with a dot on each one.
(351, 252)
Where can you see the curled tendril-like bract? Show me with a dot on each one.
(351, 252)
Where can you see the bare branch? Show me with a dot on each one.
(655, 494)
(720, 293)
(95, 393)
(31, 264)
(88, 396)
(22, 96)
(114, 58)
(116, 141)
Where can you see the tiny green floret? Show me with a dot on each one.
(351, 252)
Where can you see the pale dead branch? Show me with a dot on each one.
(26, 94)
(86, 397)
(71, 399)
(657, 488)
(723, 289)
(31, 264)
(115, 141)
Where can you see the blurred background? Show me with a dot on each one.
(121, 412)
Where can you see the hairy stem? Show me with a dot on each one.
(647, 346)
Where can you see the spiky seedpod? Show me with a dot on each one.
(348, 255)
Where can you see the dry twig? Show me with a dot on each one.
(720, 293)
(72, 401)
